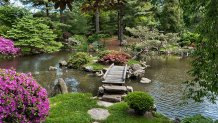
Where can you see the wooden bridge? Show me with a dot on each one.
(115, 75)
(113, 89)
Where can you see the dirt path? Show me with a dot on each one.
(112, 43)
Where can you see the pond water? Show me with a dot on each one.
(166, 73)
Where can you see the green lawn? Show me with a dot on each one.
(119, 114)
(73, 107)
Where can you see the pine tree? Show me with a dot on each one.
(171, 16)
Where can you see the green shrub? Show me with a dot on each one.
(103, 53)
(96, 37)
(33, 36)
(76, 42)
(78, 60)
(187, 38)
(139, 101)
(83, 44)
(197, 119)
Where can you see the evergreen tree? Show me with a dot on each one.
(171, 16)
(32, 35)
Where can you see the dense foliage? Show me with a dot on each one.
(171, 16)
(139, 101)
(205, 63)
(7, 47)
(153, 40)
(9, 15)
(78, 60)
(114, 57)
(96, 37)
(188, 38)
(21, 98)
(33, 36)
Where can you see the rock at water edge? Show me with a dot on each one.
(145, 80)
(51, 68)
(63, 63)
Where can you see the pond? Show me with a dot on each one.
(166, 73)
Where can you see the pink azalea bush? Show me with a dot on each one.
(114, 57)
(7, 47)
(22, 100)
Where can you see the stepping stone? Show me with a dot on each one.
(99, 113)
(112, 98)
(104, 103)
(114, 88)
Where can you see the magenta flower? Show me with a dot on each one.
(7, 47)
(22, 99)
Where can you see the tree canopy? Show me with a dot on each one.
(205, 64)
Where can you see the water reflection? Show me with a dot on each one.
(166, 73)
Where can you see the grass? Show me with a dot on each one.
(96, 66)
(132, 61)
(119, 114)
(73, 107)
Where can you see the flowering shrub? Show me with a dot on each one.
(22, 100)
(114, 57)
(7, 47)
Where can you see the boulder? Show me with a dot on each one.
(99, 73)
(60, 87)
(154, 108)
(129, 88)
(144, 64)
(136, 67)
(63, 63)
(138, 73)
(51, 68)
(145, 80)
(148, 115)
(177, 120)
(99, 113)
(89, 68)
(100, 90)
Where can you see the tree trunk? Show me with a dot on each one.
(61, 16)
(47, 9)
(120, 25)
(97, 25)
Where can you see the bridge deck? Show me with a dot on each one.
(115, 74)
